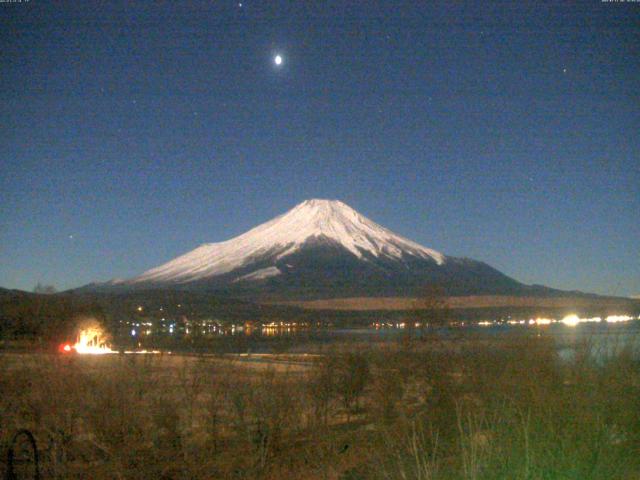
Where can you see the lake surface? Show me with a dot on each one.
(601, 337)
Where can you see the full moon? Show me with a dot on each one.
(277, 60)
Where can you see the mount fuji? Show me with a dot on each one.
(322, 249)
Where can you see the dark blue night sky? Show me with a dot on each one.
(132, 132)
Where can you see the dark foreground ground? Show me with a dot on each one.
(490, 407)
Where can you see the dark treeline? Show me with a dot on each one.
(47, 318)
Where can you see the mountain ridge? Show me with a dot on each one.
(322, 249)
(284, 235)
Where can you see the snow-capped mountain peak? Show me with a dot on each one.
(330, 220)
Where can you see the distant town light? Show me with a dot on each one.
(618, 318)
(571, 320)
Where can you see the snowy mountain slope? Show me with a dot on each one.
(260, 274)
(319, 249)
(310, 220)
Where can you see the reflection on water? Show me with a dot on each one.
(601, 336)
(605, 334)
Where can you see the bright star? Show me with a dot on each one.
(277, 60)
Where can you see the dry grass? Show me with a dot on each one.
(473, 410)
(471, 301)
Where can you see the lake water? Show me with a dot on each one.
(602, 338)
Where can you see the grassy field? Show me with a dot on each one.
(469, 408)
(470, 301)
